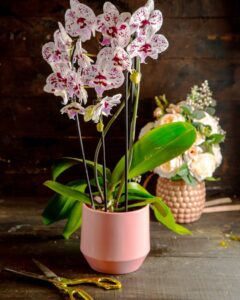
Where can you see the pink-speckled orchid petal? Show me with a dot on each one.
(113, 26)
(109, 8)
(156, 20)
(107, 21)
(72, 110)
(159, 43)
(109, 102)
(134, 48)
(115, 77)
(121, 59)
(149, 45)
(80, 20)
(57, 85)
(139, 19)
(104, 56)
(64, 40)
(123, 35)
(89, 74)
(104, 107)
(103, 77)
(124, 17)
(75, 87)
(50, 53)
(150, 5)
(80, 57)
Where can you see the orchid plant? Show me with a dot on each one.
(125, 41)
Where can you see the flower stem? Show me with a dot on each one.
(135, 91)
(104, 171)
(99, 145)
(134, 117)
(84, 161)
(126, 143)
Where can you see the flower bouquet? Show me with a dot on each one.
(181, 180)
(112, 208)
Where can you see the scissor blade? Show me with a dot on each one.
(48, 273)
(27, 274)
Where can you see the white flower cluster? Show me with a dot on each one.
(200, 97)
(201, 160)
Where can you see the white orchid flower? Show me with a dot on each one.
(114, 26)
(150, 45)
(80, 21)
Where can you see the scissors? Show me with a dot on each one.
(65, 285)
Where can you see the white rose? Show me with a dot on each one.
(145, 129)
(217, 154)
(192, 153)
(203, 166)
(210, 121)
(169, 169)
(169, 118)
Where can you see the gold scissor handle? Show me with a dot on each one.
(106, 283)
(71, 291)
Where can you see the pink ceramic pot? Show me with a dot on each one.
(115, 243)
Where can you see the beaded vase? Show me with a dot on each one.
(186, 202)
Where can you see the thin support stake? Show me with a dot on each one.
(84, 161)
(104, 171)
(126, 142)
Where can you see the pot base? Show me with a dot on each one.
(115, 267)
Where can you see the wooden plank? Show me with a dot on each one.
(188, 38)
(170, 8)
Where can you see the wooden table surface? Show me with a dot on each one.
(203, 266)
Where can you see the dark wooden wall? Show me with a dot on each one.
(204, 38)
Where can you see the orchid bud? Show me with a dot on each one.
(135, 77)
(100, 126)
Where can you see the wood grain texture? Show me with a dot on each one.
(204, 37)
(192, 267)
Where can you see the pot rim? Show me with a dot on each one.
(132, 212)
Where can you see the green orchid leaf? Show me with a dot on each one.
(62, 166)
(59, 207)
(67, 162)
(74, 220)
(67, 191)
(136, 189)
(164, 215)
(139, 204)
(91, 164)
(155, 148)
